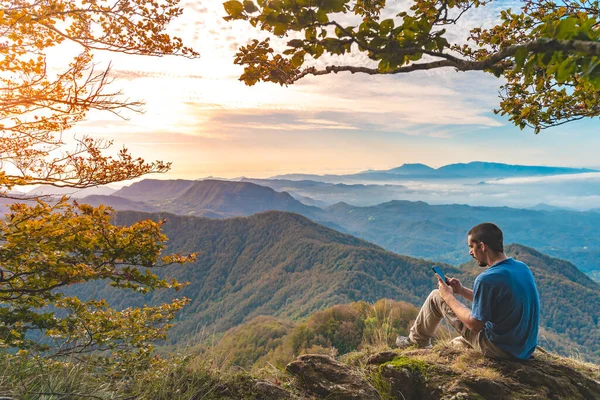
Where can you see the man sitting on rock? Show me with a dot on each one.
(503, 321)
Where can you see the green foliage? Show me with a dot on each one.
(547, 51)
(340, 329)
(192, 379)
(47, 248)
(274, 263)
(382, 385)
(441, 369)
(31, 378)
(284, 265)
(350, 327)
(244, 345)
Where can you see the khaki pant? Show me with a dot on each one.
(429, 318)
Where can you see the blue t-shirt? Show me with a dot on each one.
(505, 296)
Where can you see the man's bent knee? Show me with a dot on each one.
(435, 303)
(435, 294)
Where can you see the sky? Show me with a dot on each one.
(200, 117)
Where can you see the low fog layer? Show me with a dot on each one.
(577, 191)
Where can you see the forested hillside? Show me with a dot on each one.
(439, 232)
(417, 229)
(283, 264)
(277, 263)
(118, 203)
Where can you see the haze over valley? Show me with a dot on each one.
(416, 215)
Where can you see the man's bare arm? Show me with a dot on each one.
(467, 294)
(459, 289)
(462, 312)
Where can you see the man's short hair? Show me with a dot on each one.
(489, 234)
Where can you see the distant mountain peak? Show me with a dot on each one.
(416, 168)
(482, 169)
(470, 170)
(547, 207)
(415, 165)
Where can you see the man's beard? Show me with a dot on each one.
(480, 262)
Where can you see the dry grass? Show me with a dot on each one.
(30, 378)
(430, 356)
(464, 362)
(576, 363)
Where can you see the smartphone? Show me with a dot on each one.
(439, 271)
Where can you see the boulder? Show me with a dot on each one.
(269, 391)
(383, 357)
(543, 377)
(327, 378)
(446, 373)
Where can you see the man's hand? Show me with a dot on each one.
(462, 312)
(456, 286)
(445, 290)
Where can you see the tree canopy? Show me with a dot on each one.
(44, 247)
(547, 52)
(37, 105)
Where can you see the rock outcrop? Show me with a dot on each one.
(443, 373)
(270, 391)
(327, 378)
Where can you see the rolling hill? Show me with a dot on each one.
(155, 191)
(439, 231)
(210, 198)
(282, 264)
(118, 203)
(229, 199)
(278, 263)
(416, 229)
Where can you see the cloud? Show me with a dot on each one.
(203, 98)
(138, 74)
(369, 101)
(575, 178)
(237, 121)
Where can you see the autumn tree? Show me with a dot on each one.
(46, 247)
(547, 52)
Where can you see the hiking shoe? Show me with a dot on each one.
(404, 342)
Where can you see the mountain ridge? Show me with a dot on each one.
(474, 169)
(282, 264)
(210, 198)
(415, 228)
